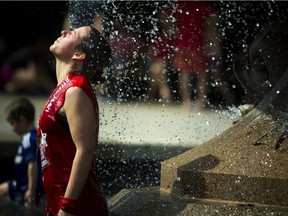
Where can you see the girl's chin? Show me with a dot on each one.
(52, 47)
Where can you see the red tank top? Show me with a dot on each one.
(58, 151)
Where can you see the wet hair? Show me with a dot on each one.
(98, 53)
(20, 107)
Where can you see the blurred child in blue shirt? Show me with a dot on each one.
(26, 187)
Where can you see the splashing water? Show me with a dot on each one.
(127, 78)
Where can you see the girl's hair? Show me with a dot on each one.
(98, 53)
(20, 107)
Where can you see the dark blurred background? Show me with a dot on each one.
(23, 23)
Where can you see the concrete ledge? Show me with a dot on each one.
(240, 165)
(149, 201)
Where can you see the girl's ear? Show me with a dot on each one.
(79, 56)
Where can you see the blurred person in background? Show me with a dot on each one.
(160, 54)
(26, 71)
(213, 54)
(125, 47)
(26, 188)
(189, 59)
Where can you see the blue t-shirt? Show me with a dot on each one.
(27, 152)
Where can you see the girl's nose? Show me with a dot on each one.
(64, 32)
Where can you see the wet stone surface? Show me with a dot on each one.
(150, 201)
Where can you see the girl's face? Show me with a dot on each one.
(65, 46)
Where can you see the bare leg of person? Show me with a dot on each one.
(153, 80)
(184, 82)
(164, 90)
(201, 87)
(158, 80)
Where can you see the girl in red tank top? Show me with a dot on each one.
(69, 124)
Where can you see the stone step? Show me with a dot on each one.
(240, 165)
(150, 201)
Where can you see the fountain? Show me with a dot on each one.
(243, 171)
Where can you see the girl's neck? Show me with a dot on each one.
(62, 70)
